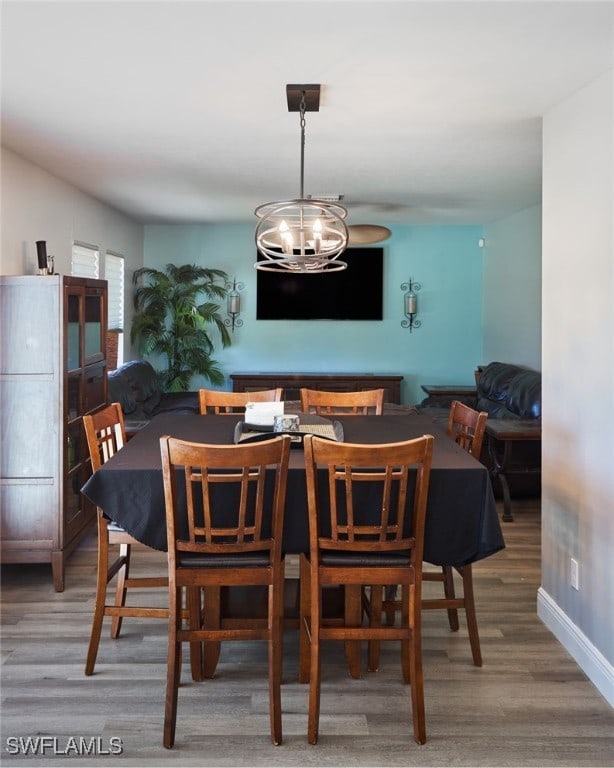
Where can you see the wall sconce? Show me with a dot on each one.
(233, 304)
(410, 305)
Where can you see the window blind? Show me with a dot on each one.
(84, 261)
(114, 275)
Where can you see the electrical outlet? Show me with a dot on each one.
(574, 576)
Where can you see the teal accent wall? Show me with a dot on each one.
(446, 260)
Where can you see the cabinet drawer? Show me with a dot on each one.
(29, 514)
(29, 426)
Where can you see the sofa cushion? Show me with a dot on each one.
(507, 391)
(121, 392)
(135, 386)
(144, 384)
(495, 381)
(525, 395)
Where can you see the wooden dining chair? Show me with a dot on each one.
(329, 403)
(215, 401)
(224, 519)
(106, 435)
(359, 497)
(466, 426)
(368, 401)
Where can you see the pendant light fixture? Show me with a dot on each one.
(305, 235)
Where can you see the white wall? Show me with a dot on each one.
(512, 289)
(578, 378)
(38, 206)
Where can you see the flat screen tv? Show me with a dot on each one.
(356, 293)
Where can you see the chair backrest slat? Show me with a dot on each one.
(105, 433)
(209, 518)
(466, 426)
(367, 498)
(349, 403)
(214, 401)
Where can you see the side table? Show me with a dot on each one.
(502, 436)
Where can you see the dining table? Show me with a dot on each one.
(462, 524)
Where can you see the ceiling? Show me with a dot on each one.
(176, 111)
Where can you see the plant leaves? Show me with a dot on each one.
(172, 320)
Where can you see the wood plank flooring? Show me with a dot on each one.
(529, 705)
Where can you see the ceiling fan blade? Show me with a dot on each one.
(363, 234)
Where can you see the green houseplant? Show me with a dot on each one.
(175, 314)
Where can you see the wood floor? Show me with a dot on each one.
(529, 705)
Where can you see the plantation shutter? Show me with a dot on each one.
(114, 275)
(84, 261)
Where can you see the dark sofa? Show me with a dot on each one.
(507, 391)
(504, 391)
(135, 386)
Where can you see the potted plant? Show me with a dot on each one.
(172, 320)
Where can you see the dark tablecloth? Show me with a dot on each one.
(462, 525)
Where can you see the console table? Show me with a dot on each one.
(291, 383)
(502, 435)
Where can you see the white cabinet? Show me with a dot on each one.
(52, 371)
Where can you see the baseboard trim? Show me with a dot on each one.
(592, 662)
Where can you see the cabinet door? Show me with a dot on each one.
(85, 317)
(77, 468)
(94, 387)
(84, 391)
(94, 331)
(73, 307)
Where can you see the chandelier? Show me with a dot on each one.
(305, 235)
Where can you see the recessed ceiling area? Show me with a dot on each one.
(176, 112)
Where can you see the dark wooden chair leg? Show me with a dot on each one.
(472, 621)
(120, 591)
(448, 589)
(211, 620)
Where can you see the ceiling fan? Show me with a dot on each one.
(365, 234)
(425, 208)
(359, 234)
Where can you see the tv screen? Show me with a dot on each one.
(356, 293)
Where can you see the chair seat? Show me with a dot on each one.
(367, 559)
(245, 560)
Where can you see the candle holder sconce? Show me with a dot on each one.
(233, 305)
(410, 305)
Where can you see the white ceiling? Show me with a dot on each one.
(176, 111)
